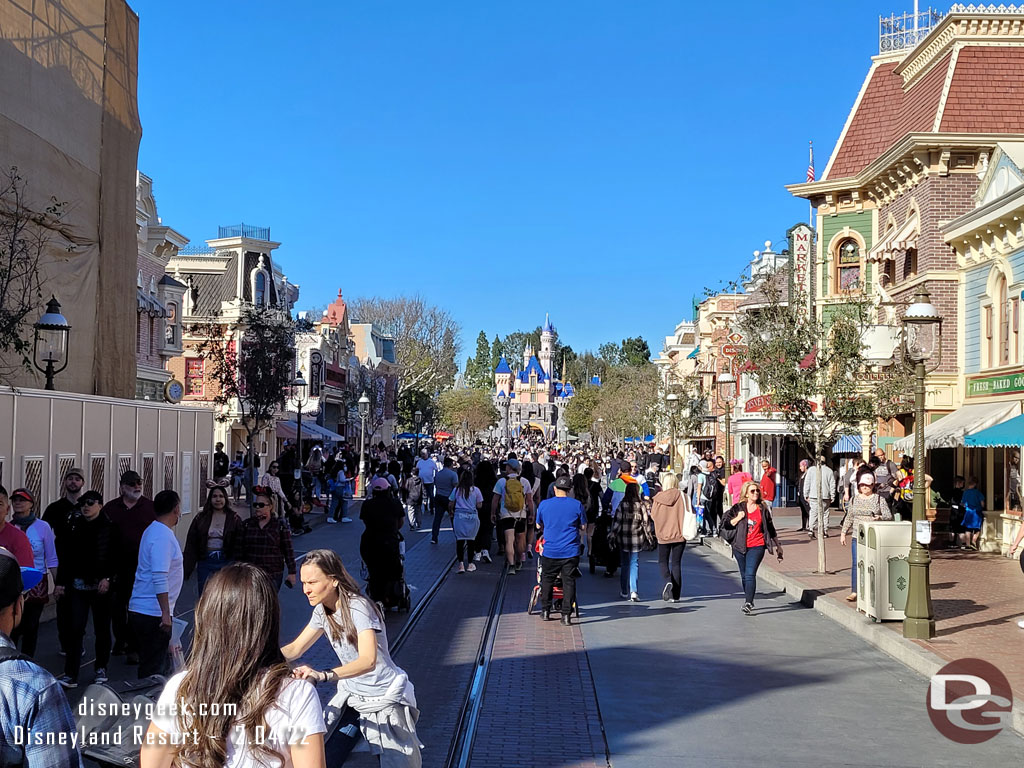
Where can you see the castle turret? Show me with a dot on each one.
(547, 346)
(527, 354)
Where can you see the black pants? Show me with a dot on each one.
(464, 550)
(805, 514)
(551, 567)
(153, 643)
(28, 630)
(80, 603)
(670, 559)
(486, 533)
(712, 512)
(124, 636)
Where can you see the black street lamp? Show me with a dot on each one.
(671, 399)
(299, 397)
(50, 342)
(922, 340)
(364, 412)
(417, 420)
(727, 393)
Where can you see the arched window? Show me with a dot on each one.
(848, 266)
(171, 325)
(259, 294)
(1002, 307)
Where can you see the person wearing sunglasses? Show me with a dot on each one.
(867, 505)
(85, 575)
(30, 699)
(131, 513)
(749, 528)
(265, 541)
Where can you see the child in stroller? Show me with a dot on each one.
(556, 592)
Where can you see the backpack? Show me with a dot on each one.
(906, 487)
(515, 499)
(710, 487)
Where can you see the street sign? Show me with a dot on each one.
(316, 372)
(735, 338)
(732, 350)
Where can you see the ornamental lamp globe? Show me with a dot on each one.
(364, 406)
(50, 341)
(299, 387)
(922, 327)
(727, 386)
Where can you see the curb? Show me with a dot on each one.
(926, 663)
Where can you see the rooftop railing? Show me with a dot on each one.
(244, 230)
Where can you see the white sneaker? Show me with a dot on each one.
(331, 521)
(346, 519)
(470, 568)
(1021, 623)
(462, 568)
(486, 556)
(634, 597)
(476, 558)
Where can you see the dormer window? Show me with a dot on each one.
(138, 280)
(259, 292)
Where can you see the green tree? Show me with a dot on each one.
(478, 368)
(813, 369)
(629, 401)
(409, 402)
(634, 351)
(610, 353)
(497, 350)
(466, 412)
(579, 413)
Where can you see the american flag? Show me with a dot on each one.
(810, 165)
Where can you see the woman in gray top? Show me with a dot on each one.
(866, 505)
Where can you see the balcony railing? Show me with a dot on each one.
(244, 230)
(903, 31)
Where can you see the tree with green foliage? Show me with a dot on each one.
(408, 403)
(813, 369)
(610, 353)
(466, 412)
(478, 368)
(497, 351)
(634, 351)
(629, 401)
(579, 412)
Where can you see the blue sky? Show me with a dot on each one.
(600, 160)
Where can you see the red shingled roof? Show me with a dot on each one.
(987, 91)
(984, 97)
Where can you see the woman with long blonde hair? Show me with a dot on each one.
(380, 697)
(668, 510)
(748, 526)
(236, 704)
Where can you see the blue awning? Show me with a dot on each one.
(847, 444)
(693, 355)
(1009, 434)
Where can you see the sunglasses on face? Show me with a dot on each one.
(259, 504)
(90, 503)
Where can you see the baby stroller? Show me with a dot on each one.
(601, 554)
(384, 572)
(556, 591)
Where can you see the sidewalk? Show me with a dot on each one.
(977, 598)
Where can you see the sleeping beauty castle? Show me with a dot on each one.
(533, 399)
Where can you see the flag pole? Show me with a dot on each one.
(810, 173)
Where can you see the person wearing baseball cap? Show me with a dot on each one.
(12, 538)
(866, 506)
(380, 545)
(31, 700)
(560, 521)
(131, 513)
(44, 556)
(58, 515)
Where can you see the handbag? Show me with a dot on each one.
(689, 525)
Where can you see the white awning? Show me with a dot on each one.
(949, 431)
(897, 242)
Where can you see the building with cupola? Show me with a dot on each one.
(532, 398)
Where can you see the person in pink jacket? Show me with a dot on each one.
(668, 509)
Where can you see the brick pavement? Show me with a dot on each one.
(977, 597)
(540, 707)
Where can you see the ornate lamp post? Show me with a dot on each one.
(504, 403)
(600, 432)
(364, 412)
(50, 342)
(417, 420)
(727, 393)
(922, 339)
(300, 400)
(670, 400)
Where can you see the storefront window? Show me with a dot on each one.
(848, 266)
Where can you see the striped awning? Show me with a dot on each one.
(149, 304)
(847, 444)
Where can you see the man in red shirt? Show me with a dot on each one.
(767, 482)
(12, 538)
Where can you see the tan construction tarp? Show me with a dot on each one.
(69, 121)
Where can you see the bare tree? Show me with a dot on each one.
(426, 339)
(25, 236)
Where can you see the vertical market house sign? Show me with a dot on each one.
(1008, 383)
(801, 244)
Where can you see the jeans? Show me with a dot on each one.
(749, 562)
(670, 559)
(853, 560)
(208, 566)
(440, 507)
(550, 568)
(82, 602)
(153, 643)
(628, 576)
(345, 737)
(428, 497)
(339, 505)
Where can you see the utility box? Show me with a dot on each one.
(883, 573)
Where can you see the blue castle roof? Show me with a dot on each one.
(533, 367)
(503, 366)
(548, 327)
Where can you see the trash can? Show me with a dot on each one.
(886, 570)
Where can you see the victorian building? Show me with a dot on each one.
(533, 398)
